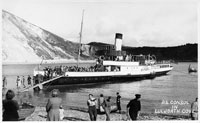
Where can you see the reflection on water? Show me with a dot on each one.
(177, 85)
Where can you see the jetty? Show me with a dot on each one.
(40, 85)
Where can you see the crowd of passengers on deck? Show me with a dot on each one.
(129, 57)
(50, 72)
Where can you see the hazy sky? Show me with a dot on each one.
(142, 22)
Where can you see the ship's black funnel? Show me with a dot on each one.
(118, 35)
(118, 41)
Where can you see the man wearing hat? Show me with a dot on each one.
(134, 107)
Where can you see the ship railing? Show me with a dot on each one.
(163, 62)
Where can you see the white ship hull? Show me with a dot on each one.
(139, 72)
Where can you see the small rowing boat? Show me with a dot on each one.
(191, 69)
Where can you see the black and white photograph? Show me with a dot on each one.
(99, 60)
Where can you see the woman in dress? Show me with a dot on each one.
(108, 108)
(53, 106)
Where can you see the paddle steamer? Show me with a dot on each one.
(116, 66)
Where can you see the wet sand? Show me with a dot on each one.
(81, 114)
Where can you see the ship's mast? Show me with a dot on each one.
(79, 47)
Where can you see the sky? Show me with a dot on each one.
(158, 23)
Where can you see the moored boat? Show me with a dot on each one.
(115, 66)
(191, 69)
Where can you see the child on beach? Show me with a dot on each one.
(118, 102)
(61, 110)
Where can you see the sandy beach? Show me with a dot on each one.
(73, 113)
(81, 114)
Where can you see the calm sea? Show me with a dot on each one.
(177, 88)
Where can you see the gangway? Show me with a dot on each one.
(40, 85)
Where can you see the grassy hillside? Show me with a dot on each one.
(187, 52)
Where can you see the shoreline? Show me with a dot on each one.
(81, 114)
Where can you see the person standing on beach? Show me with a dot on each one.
(53, 106)
(92, 108)
(10, 107)
(29, 80)
(4, 82)
(134, 107)
(194, 110)
(61, 110)
(108, 108)
(101, 103)
(18, 82)
(23, 81)
(118, 102)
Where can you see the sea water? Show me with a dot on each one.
(171, 93)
